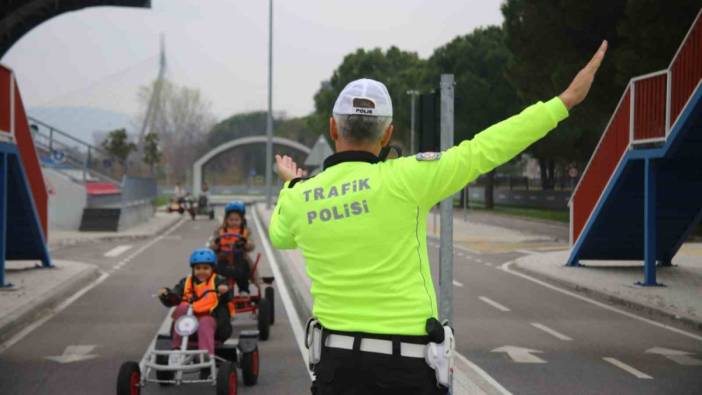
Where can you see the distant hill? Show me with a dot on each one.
(85, 123)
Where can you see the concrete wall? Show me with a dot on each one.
(135, 213)
(66, 200)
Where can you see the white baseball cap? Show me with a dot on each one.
(364, 97)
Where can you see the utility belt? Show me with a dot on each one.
(436, 348)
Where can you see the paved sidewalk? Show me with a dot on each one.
(157, 224)
(680, 298)
(37, 292)
(496, 233)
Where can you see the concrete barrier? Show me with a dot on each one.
(66, 200)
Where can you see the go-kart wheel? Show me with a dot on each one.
(181, 211)
(270, 297)
(128, 379)
(163, 374)
(249, 367)
(211, 215)
(227, 383)
(264, 319)
(192, 214)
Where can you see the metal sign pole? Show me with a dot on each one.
(269, 123)
(446, 207)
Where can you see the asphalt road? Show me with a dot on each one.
(116, 320)
(529, 337)
(533, 339)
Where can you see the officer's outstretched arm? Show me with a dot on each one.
(432, 178)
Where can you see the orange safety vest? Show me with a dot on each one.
(227, 239)
(207, 304)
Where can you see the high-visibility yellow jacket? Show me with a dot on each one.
(361, 223)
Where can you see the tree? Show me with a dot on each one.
(483, 95)
(117, 144)
(552, 40)
(182, 119)
(398, 70)
(238, 126)
(152, 152)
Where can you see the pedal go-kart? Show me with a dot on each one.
(261, 303)
(166, 366)
(201, 208)
(177, 205)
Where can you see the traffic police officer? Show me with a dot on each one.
(361, 226)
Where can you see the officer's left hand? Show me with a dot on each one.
(287, 168)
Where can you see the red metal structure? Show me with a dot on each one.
(608, 154)
(13, 121)
(641, 193)
(23, 195)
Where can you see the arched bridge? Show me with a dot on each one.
(200, 163)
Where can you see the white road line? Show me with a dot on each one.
(117, 251)
(466, 250)
(527, 252)
(493, 303)
(483, 374)
(141, 249)
(36, 324)
(461, 254)
(621, 365)
(550, 331)
(506, 268)
(478, 260)
(104, 275)
(487, 264)
(457, 283)
(290, 309)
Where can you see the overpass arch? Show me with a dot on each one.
(200, 163)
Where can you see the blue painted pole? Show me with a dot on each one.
(3, 216)
(650, 223)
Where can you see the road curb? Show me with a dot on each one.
(606, 297)
(17, 320)
(113, 237)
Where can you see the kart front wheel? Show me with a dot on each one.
(227, 383)
(129, 379)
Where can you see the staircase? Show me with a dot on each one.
(79, 160)
(23, 195)
(87, 165)
(640, 196)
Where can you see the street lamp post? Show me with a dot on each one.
(269, 123)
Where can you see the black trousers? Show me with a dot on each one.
(346, 372)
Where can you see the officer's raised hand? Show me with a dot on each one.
(582, 82)
(287, 168)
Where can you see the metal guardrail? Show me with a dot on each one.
(64, 150)
(649, 112)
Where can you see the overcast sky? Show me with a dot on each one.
(100, 56)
